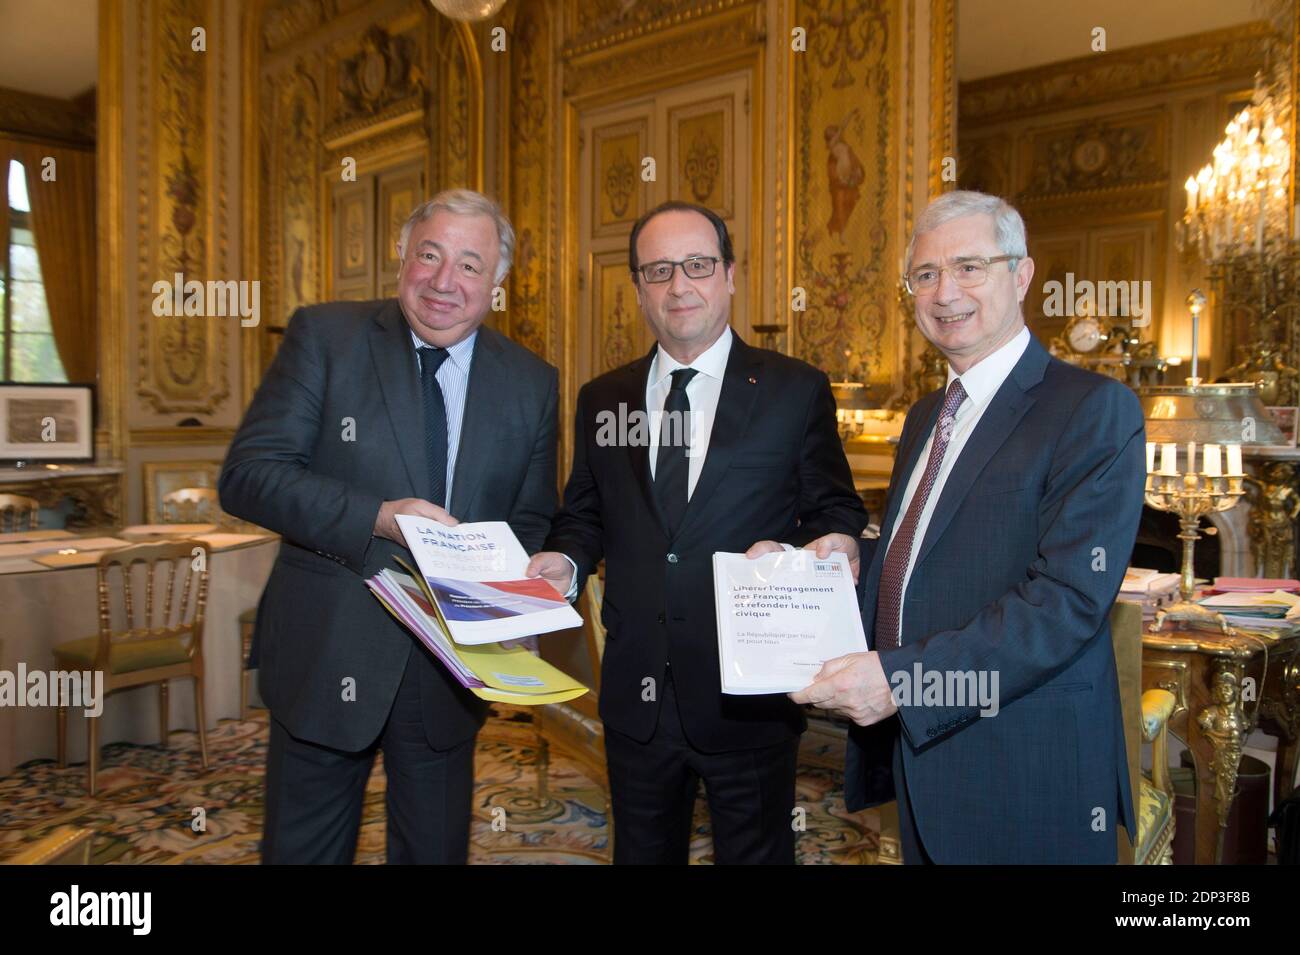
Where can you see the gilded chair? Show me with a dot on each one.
(1146, 718)
(162, 644)
(18, 513)
(66, 845)
(191, 505)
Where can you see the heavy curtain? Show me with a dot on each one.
(63, 222)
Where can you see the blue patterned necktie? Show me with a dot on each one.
(435, 423)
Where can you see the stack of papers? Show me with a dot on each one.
(474, 574)
(470, 595)
(1278, 610)
(1151, 588)
(489, 671)
(1253, 585)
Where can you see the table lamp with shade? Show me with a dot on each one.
(1195, 434)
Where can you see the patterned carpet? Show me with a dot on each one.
(148, 795)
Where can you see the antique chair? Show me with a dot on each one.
(66, 845)
(1146, 718)
(17, 511)
(155, 647)
(247, 624)
(191, 505)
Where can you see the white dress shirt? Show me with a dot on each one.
(453, 379)
(702, 391)
(981, 382)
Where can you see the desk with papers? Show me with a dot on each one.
(48, 597)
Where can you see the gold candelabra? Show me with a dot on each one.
(1193, 494)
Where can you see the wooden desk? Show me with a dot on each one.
(43, 606)
(1227, 685)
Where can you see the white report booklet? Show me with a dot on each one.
(781, 616)
(475, 574)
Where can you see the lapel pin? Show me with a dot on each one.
(753, 380)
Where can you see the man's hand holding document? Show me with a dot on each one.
(781, 616)
(469, 596)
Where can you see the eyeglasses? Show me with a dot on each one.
(698, 267)
(968, 273)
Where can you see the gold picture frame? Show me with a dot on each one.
(163, 477)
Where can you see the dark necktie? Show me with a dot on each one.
(890, 601)
(435, 423)
(672, 466)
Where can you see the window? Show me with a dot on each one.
(26, 338)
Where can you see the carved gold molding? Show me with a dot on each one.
(1186, 61)
(665, 52)
(598, 25)
(45, 118)
(943, 91)
(183, 362)
(180, 437)
(109, 201)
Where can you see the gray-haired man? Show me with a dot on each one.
(371, 409)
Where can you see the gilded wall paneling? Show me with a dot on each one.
(621, 335)
(700, 151)
(110, 208)
(183, 360)
(847, 169)
(293, 198)
(401, 189)
(1126, 150)
(1088, 80)
(943, 92)
(621, 193)
(1056, 255)
(531, 164)
(353, 217)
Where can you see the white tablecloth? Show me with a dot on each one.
(43, 608)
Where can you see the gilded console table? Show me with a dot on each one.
(1226, 686)
(95, 490)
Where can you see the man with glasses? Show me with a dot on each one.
(1009, 523)
(741, 447)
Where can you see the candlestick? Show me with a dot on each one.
(1169, 459)
(1213, 461)
(1191, 458)
(1234, 460)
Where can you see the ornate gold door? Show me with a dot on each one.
(690, 142)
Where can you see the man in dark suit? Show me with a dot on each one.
(373, 409)
(763, 460)
(1011, 516)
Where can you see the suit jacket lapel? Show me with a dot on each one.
(395, 367)
(631, 394)
(999, 420)
(740, 385)
(480, 422)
